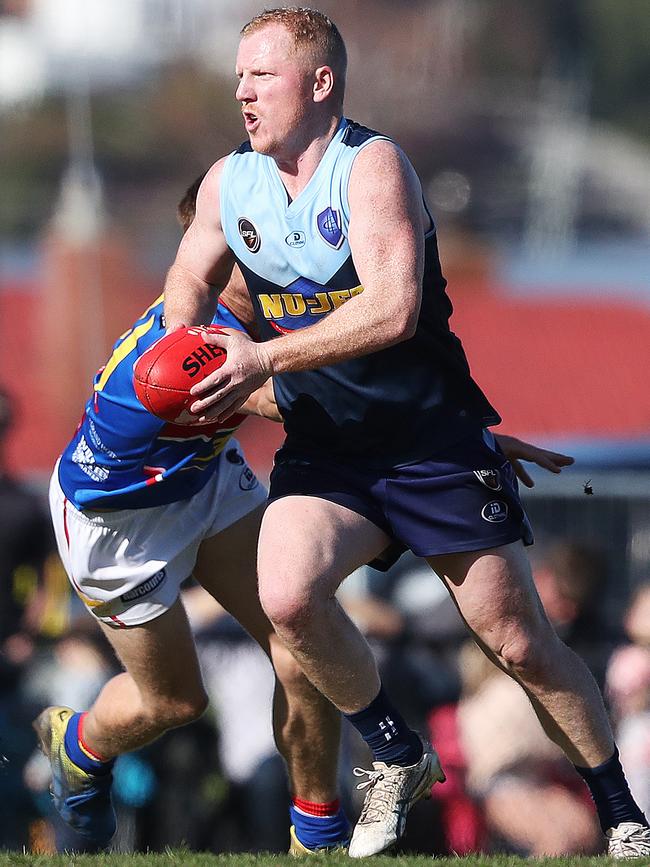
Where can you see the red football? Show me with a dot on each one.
(164, 374)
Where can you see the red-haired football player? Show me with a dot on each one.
(388, 435)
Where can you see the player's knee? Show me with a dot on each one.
(170, 713)
(287, 608)
(527, 653)
(517, 652)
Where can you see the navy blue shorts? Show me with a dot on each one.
(464, 498)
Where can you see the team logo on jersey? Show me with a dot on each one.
(247, 480)
(84, 457)
(329, 226)
(145, 588)
(249, 234)
(301, 304)
(495, 512)
(490, 478)
(295, 239)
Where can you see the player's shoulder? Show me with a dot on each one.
(212, 177)
(368, 144)
(208, 196)
(382, 172)
(380, 158)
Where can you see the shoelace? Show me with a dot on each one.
(379, 798)
(624, 842)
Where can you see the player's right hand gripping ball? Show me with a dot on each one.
(165, 373)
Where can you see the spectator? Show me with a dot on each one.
(25, 543)
(628, 688)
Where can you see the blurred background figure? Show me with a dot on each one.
(26, 541)
(530, 132)
(628, 688)
(239, 682)
(26, 546)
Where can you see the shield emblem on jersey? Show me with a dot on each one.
(329, 227)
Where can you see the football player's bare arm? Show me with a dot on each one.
(386, 237)
(203, 264)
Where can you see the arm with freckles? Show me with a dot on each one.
(203, 263)
(386, 237)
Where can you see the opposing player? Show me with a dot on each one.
(138, 505)
(387, 433)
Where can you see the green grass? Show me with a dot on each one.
(181, 858)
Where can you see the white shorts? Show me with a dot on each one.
(127, 565)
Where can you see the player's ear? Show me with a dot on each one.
(323, 83)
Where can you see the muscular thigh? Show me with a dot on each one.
(159, 655)
(494, 592)
(313, 544)
(226, 567)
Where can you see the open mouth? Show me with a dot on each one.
(251, 120)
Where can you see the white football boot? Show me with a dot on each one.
(392, 791)
(628, 840)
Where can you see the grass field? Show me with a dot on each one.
(192, 859)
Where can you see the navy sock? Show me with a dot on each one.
(77, 755)
(319, 826)
(611, 793)
(384, 730)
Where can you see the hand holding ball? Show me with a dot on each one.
(165, 373)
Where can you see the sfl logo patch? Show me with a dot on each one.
(490, 478)
(249, 234)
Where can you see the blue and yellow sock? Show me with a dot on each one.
(319, 826)
(79, 752)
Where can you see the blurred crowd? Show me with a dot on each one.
(202, 785)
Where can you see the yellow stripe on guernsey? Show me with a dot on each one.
(219, 443)
(126, 346)
(281, 304)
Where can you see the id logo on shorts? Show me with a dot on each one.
(489, 478)
(495, 512)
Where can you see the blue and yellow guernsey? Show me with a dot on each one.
(121, 456)
(397, 405)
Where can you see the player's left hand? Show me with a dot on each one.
(245, 369)
(517, 450)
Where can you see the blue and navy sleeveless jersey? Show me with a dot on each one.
(121, 456)
(396, 405)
